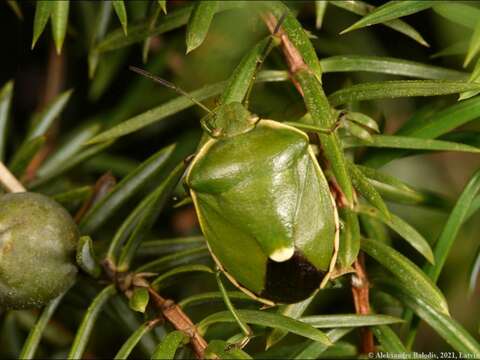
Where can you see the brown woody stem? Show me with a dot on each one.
(360, 291)
(292, 55)
(177, 317)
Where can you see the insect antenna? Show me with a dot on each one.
(268, 47)
(169, 85)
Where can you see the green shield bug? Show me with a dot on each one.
(263, 204)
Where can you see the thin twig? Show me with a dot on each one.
(53, 86)
(293, 57)
(55, 75)
(102, 187)
(37, 161)
(177, 317)
(360, 291)
(9, 181)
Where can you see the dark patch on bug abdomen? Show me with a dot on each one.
(291, 281)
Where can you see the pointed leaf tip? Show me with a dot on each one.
(43, 11)
(389, 11)
(199, 23)
(121, 11)
(59, 13)
(163, 5)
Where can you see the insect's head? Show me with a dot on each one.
(229, 120)
(224, 121)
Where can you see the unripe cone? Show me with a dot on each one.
(38, 238)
